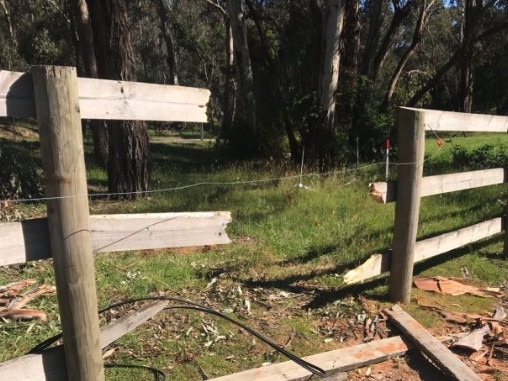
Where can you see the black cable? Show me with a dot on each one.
(298, 360)
(198, 307)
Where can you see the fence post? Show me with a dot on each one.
(57, 106)
(505, 220)
(411, 148)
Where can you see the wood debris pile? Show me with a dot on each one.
(485, 341)
(13, 301)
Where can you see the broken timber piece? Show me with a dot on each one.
(444, 359)
(333, 362)
(474, 340)
(50, 363)
(29, 240)
(375, 265)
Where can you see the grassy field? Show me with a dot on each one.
(282, 274)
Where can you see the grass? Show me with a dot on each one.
(290, 248)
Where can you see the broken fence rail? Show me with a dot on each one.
(109, 99)
(29, 240)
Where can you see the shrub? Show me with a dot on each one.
(486, 156)
(19, 174)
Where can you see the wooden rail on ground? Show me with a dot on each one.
(58, 99)
(50, 363)
(411, 186)
(440, 355)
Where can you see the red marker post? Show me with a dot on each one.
(387, 147)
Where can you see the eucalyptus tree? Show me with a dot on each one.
(243, 133)
(8, 36)
(324, 142)
(349, 68)
(164, 12)
(426, 8)
(491, 18)
(34, 32)
(128, 159)
(87, 66)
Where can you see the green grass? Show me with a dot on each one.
(290, 248)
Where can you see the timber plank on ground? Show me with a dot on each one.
(49, 365)
(339, 360)
(422, 339)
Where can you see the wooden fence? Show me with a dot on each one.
(59, 100)
(411, 186)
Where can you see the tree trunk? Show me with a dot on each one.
(128, 172)
(229, 97)
(85, 51)
(229, 80)
(417, 39)
(13, 41)
(400, 13)
(10, 29)
(167, 33)
(243, 134)
(375, 12)
(325, 141)
(349, 67)
(472, 9)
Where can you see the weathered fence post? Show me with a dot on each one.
(505, 220)
(57, 106)
(411, 148)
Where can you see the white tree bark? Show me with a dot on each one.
(245, 97)
(329, 78)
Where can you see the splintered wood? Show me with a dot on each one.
(13, 300)
(454, 286)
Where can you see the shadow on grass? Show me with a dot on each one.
(323, 295)
(185, 157)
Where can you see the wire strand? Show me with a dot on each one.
(207, 183)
